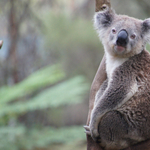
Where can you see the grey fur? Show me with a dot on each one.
(121, 113)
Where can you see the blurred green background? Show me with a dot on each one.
(47, 63)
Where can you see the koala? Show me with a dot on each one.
(121, 114)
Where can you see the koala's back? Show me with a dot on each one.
(136, 110)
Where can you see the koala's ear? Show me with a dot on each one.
(103, 19)
(146, 30)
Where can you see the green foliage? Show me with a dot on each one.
(76, 34)
(67, 92)
(72, 41)
(20, 137)
(148, 47)
(61, 27)
(46, 88)
(44, 77)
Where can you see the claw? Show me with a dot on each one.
(97, 139)
(87, 128)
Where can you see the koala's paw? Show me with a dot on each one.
(93, 133)
(87, 130)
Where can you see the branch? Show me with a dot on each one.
(24, 12)
(101, 5)
(98, 80)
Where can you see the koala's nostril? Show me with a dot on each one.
(122, 38)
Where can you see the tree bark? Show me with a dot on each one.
(100, 3)
(100, 77)
(15, 22)
(14, 31)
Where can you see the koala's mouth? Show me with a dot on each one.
(119, 49)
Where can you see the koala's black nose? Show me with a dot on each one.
(122, 38)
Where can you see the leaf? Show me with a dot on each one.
(20, 137)
(65, 93)
(44, 77)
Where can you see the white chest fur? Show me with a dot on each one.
(112, 63)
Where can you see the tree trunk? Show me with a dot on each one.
(11, 60)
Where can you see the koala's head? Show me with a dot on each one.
(122, 35)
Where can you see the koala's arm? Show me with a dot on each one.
(145, 145)
(99, 78)
(120, 89)
(101, 91)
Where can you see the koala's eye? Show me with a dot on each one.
(133, 36)
(113, 31)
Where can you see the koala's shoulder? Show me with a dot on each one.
(137, 63)
(144, 57)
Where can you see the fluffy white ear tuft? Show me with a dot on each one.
(103, 20)
(146, 30)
